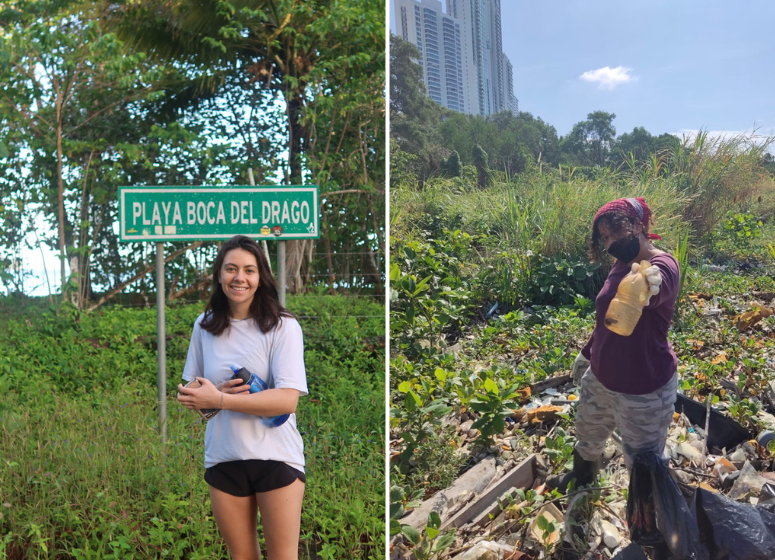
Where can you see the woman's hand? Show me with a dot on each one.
(579, 368)
(234, 387)
(654, 279)
(205, 396)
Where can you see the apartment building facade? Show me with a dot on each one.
(464, 66)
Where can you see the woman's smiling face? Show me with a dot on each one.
(239, 280)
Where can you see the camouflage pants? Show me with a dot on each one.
(643, 420)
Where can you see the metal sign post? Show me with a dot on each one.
(159, 214)
(263, 241)
(161, 342)
(281, 272)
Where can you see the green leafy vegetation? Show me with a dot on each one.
(84, 473)
(431, 543)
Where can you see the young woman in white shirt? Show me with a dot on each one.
(250, 466)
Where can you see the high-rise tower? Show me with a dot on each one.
(512, 103)
(438, 38)
(484, 83)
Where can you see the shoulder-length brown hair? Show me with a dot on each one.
(265, 309)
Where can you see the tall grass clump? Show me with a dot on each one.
(550, 212)
(715, 175)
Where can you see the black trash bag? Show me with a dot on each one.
(731, 530)
(657, 512)
(723, 431)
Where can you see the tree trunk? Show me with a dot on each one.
(294, 250)
(294, 262)
(60, 197)
(308, 274)
(376, 276)
(294, 106)
(82, 269)
(329, 260)
(375, 222)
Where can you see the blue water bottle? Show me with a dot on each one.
(257, 384)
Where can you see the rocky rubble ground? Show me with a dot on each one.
(732, 456)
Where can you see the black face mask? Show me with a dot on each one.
(625, 250)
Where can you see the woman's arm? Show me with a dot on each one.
(671, 276)
(271, 402)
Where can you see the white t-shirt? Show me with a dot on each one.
(235, 436)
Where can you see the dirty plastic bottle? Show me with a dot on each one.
(628, 304)
(257, 384)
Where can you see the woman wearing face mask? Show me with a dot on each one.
(627, 382)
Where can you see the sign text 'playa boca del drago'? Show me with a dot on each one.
(192, 213)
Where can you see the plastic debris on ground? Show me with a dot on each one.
(705, 482)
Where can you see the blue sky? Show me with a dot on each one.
(667, 66)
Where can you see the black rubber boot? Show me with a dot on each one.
(583, 471)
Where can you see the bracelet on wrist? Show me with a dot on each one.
(221, 400)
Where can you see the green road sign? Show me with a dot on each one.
(194, 213)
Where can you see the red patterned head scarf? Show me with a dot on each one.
(632, 207)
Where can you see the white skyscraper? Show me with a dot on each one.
(508, 83)
(483, 86)
(438, 38)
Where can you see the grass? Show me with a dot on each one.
(84, 473)
(549, 211)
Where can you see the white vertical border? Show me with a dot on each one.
(387, 279)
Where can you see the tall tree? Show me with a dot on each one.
(482, 166)
(511, 141)
(64, 77)
(452, 166)
(346, 152)
(590, 141)
(414, 117)
(639, 146)
(284, 46)
(768, 162)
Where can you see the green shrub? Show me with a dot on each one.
(561, 280)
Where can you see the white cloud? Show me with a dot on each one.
(607, 77)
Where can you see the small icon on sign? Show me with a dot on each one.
(311, 228)
(133, 230)
(265, 230)
(277, 230)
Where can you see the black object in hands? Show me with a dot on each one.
(242, 374)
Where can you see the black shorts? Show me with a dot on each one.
(245, 478)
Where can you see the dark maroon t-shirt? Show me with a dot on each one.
(644, 361)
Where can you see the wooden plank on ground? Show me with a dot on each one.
(521, 476)
(491, 512)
